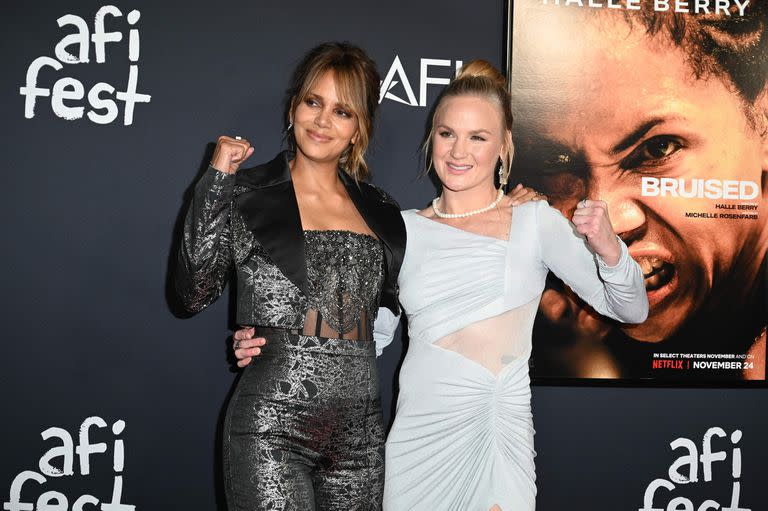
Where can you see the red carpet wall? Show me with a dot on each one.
(113, 401)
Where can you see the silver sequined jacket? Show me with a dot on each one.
(250, 221)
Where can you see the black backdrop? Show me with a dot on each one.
(88, 218)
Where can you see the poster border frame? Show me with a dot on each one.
(562, 381)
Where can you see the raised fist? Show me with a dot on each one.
(591, 221)
(230, 153)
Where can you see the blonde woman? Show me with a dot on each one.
(470, 284)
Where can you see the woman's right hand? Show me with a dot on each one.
(230, 153)
(245, 346)
(521, 194)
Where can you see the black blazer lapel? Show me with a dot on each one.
(271, 212)
(382, 214)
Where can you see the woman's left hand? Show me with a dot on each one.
(591, 220)
(521, 194)
(246, 346)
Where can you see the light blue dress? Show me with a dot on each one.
(462, 438)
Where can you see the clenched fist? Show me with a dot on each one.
(591, 220)
(230, 153)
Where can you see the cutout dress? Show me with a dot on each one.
(462, 438)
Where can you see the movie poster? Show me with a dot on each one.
(660, 109)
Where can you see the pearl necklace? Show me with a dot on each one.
(489, 207)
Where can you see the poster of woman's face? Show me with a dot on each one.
(659, 109)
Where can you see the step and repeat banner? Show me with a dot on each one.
(113, 400)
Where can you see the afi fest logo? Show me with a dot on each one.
(685, 471)
(59, 461)
(67, 95)
(396, 76)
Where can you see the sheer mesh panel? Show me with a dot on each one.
(345, 271)
(315, 325)
(496, 341)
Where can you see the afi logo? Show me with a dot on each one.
(396, 76)
(68, 97)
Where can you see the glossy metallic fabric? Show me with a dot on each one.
(345, 273)
(250, 221)
(304, 428)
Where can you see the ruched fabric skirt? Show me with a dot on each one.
(304, 429)
(462, 439)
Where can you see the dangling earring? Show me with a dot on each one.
(290, 125)
(501, 173)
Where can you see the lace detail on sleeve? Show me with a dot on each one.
(243, 240)
(205, 254)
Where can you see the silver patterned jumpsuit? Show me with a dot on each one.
(304, 426)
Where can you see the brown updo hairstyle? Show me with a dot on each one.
(478, 78)
(357, 83)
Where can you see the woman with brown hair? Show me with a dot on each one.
(316, 251)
